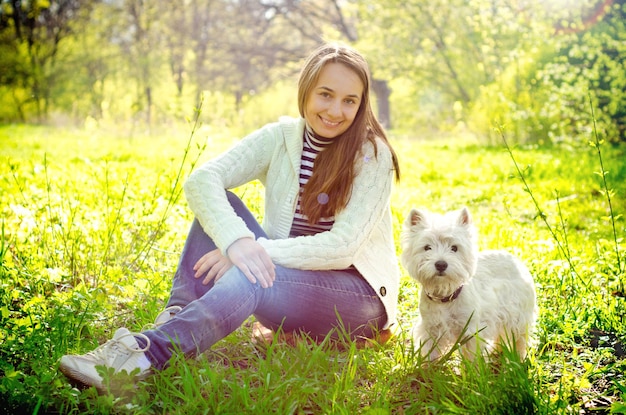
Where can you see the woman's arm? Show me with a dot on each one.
(205, 188)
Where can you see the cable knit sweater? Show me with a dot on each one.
(362, 234)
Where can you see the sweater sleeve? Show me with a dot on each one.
(354, 225)
(205, 188)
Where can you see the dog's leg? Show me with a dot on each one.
(478, 344)
(425, 343)
(470, 347)
(515, 340)
(427, 348)
(521, 343)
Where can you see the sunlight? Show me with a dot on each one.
(577, 15)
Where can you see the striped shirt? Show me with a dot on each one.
(313, 144)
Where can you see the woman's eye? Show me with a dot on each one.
(454, 248)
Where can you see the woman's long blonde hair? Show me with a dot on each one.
(334, 169)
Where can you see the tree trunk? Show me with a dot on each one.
(382, 91)
(149, 107)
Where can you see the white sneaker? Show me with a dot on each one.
(122, 353)
(166, 315)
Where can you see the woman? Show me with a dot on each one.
(324, 257)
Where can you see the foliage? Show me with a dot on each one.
(439, 65)
(30, 35)
(453, 47)
(543, 96)
(136, 59)
(92, 226)
(470, 66)
(596, 60)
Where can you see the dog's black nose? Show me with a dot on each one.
(441, 266)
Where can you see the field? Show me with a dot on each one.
(92, 224)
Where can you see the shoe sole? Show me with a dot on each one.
(77, 376)
(83, 380)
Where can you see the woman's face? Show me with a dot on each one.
(333, 101)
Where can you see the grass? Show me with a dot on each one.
(92, 225)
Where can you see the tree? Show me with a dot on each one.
(545, 98)
(451, 46)
(30, 35)
(139, 39)
(597, 56)
(176, 32)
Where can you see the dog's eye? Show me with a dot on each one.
(454, 248)
(427, 248)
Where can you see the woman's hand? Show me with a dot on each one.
(252, 259)
(213, 264)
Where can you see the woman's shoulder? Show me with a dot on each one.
(377, 147)
(292, 124)
(289, 120)
(285, 125)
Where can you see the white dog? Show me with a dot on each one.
(481, 298)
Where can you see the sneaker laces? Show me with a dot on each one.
(104, 352)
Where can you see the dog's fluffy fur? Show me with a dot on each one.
(496, 303)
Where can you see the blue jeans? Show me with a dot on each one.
(315, 302)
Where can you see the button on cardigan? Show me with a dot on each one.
(362, 234)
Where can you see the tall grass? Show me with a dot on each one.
(559, 236)
(596, 143)
(602, 323)
(92, 226)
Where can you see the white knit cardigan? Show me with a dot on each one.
(362, 234)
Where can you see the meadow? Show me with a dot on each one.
(92, 224)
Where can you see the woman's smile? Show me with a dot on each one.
(334, 101)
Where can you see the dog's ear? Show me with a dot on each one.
(464, 217)
(415, 217)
